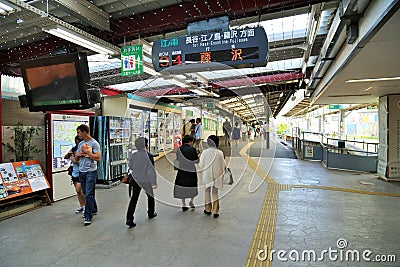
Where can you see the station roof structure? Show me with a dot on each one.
(304, 68)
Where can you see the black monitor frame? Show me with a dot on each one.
(82, 79)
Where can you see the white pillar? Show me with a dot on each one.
(389, 137)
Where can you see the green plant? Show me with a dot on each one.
(281, 128)
(22, 147)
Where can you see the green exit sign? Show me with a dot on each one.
(208, 105)
(335, 106)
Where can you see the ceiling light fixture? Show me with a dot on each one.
(350, 95)
(83, 39)
(373, 80)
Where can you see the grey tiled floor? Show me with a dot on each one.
(306, 219)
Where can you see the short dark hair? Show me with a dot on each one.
(187, 139)
(77, 139)
(192, 121)
(198, 120)
(141, 143)
(83, 128)
(213, 141)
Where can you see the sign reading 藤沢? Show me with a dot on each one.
(131, 60)
(238, 48)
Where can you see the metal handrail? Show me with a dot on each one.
(298, 133)
(328, 146)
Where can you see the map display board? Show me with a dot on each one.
(63, 137)
(19, 178)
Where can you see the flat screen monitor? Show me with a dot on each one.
(57, 83)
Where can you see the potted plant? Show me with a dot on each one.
(23, 148)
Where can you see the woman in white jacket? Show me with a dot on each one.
(211, 169)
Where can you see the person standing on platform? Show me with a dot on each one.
(75, 176)
(186, 178)
(227, 129)
(252, 133)
(141, 166)
(88, 153)
(198, 131)
(211, 168)
(187, 127)
(192, 131)
(265, 132)
(244, 131)
(236, 134)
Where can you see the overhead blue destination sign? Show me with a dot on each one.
(237, 48)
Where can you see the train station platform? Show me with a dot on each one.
(307, 214)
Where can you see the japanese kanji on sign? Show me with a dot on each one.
(131, 60)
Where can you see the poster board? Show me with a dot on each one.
(20, 178)
(61, 132)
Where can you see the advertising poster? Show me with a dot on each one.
(19, 178)
(309, 152)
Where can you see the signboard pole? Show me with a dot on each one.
(267, 114)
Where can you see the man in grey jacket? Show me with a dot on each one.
(141, 165)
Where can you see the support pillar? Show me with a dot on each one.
(266, 126)
(341, 124)
(389, 138)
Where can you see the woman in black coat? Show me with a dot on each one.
(186, 178)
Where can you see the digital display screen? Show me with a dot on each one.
(163, 61)
(239, 48)
(53, 84)
(56, 83)
(224, 55)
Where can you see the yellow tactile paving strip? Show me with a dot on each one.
(265, 229)
(347, 190)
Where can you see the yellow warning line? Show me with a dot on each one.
(347, 190)
(265, 229)
(254, 165)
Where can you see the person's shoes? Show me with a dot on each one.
(80, 210)
(88, 221)
(192, 205)
(83, 213)
(130, 224)
(185, 208)
(216, 215)
(151, 216)
(207, 212)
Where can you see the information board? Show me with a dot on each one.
(19, 178)
(246, 47)
(63, 138)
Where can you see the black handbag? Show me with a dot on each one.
(70, 169)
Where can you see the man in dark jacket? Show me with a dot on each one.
(141, 165)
